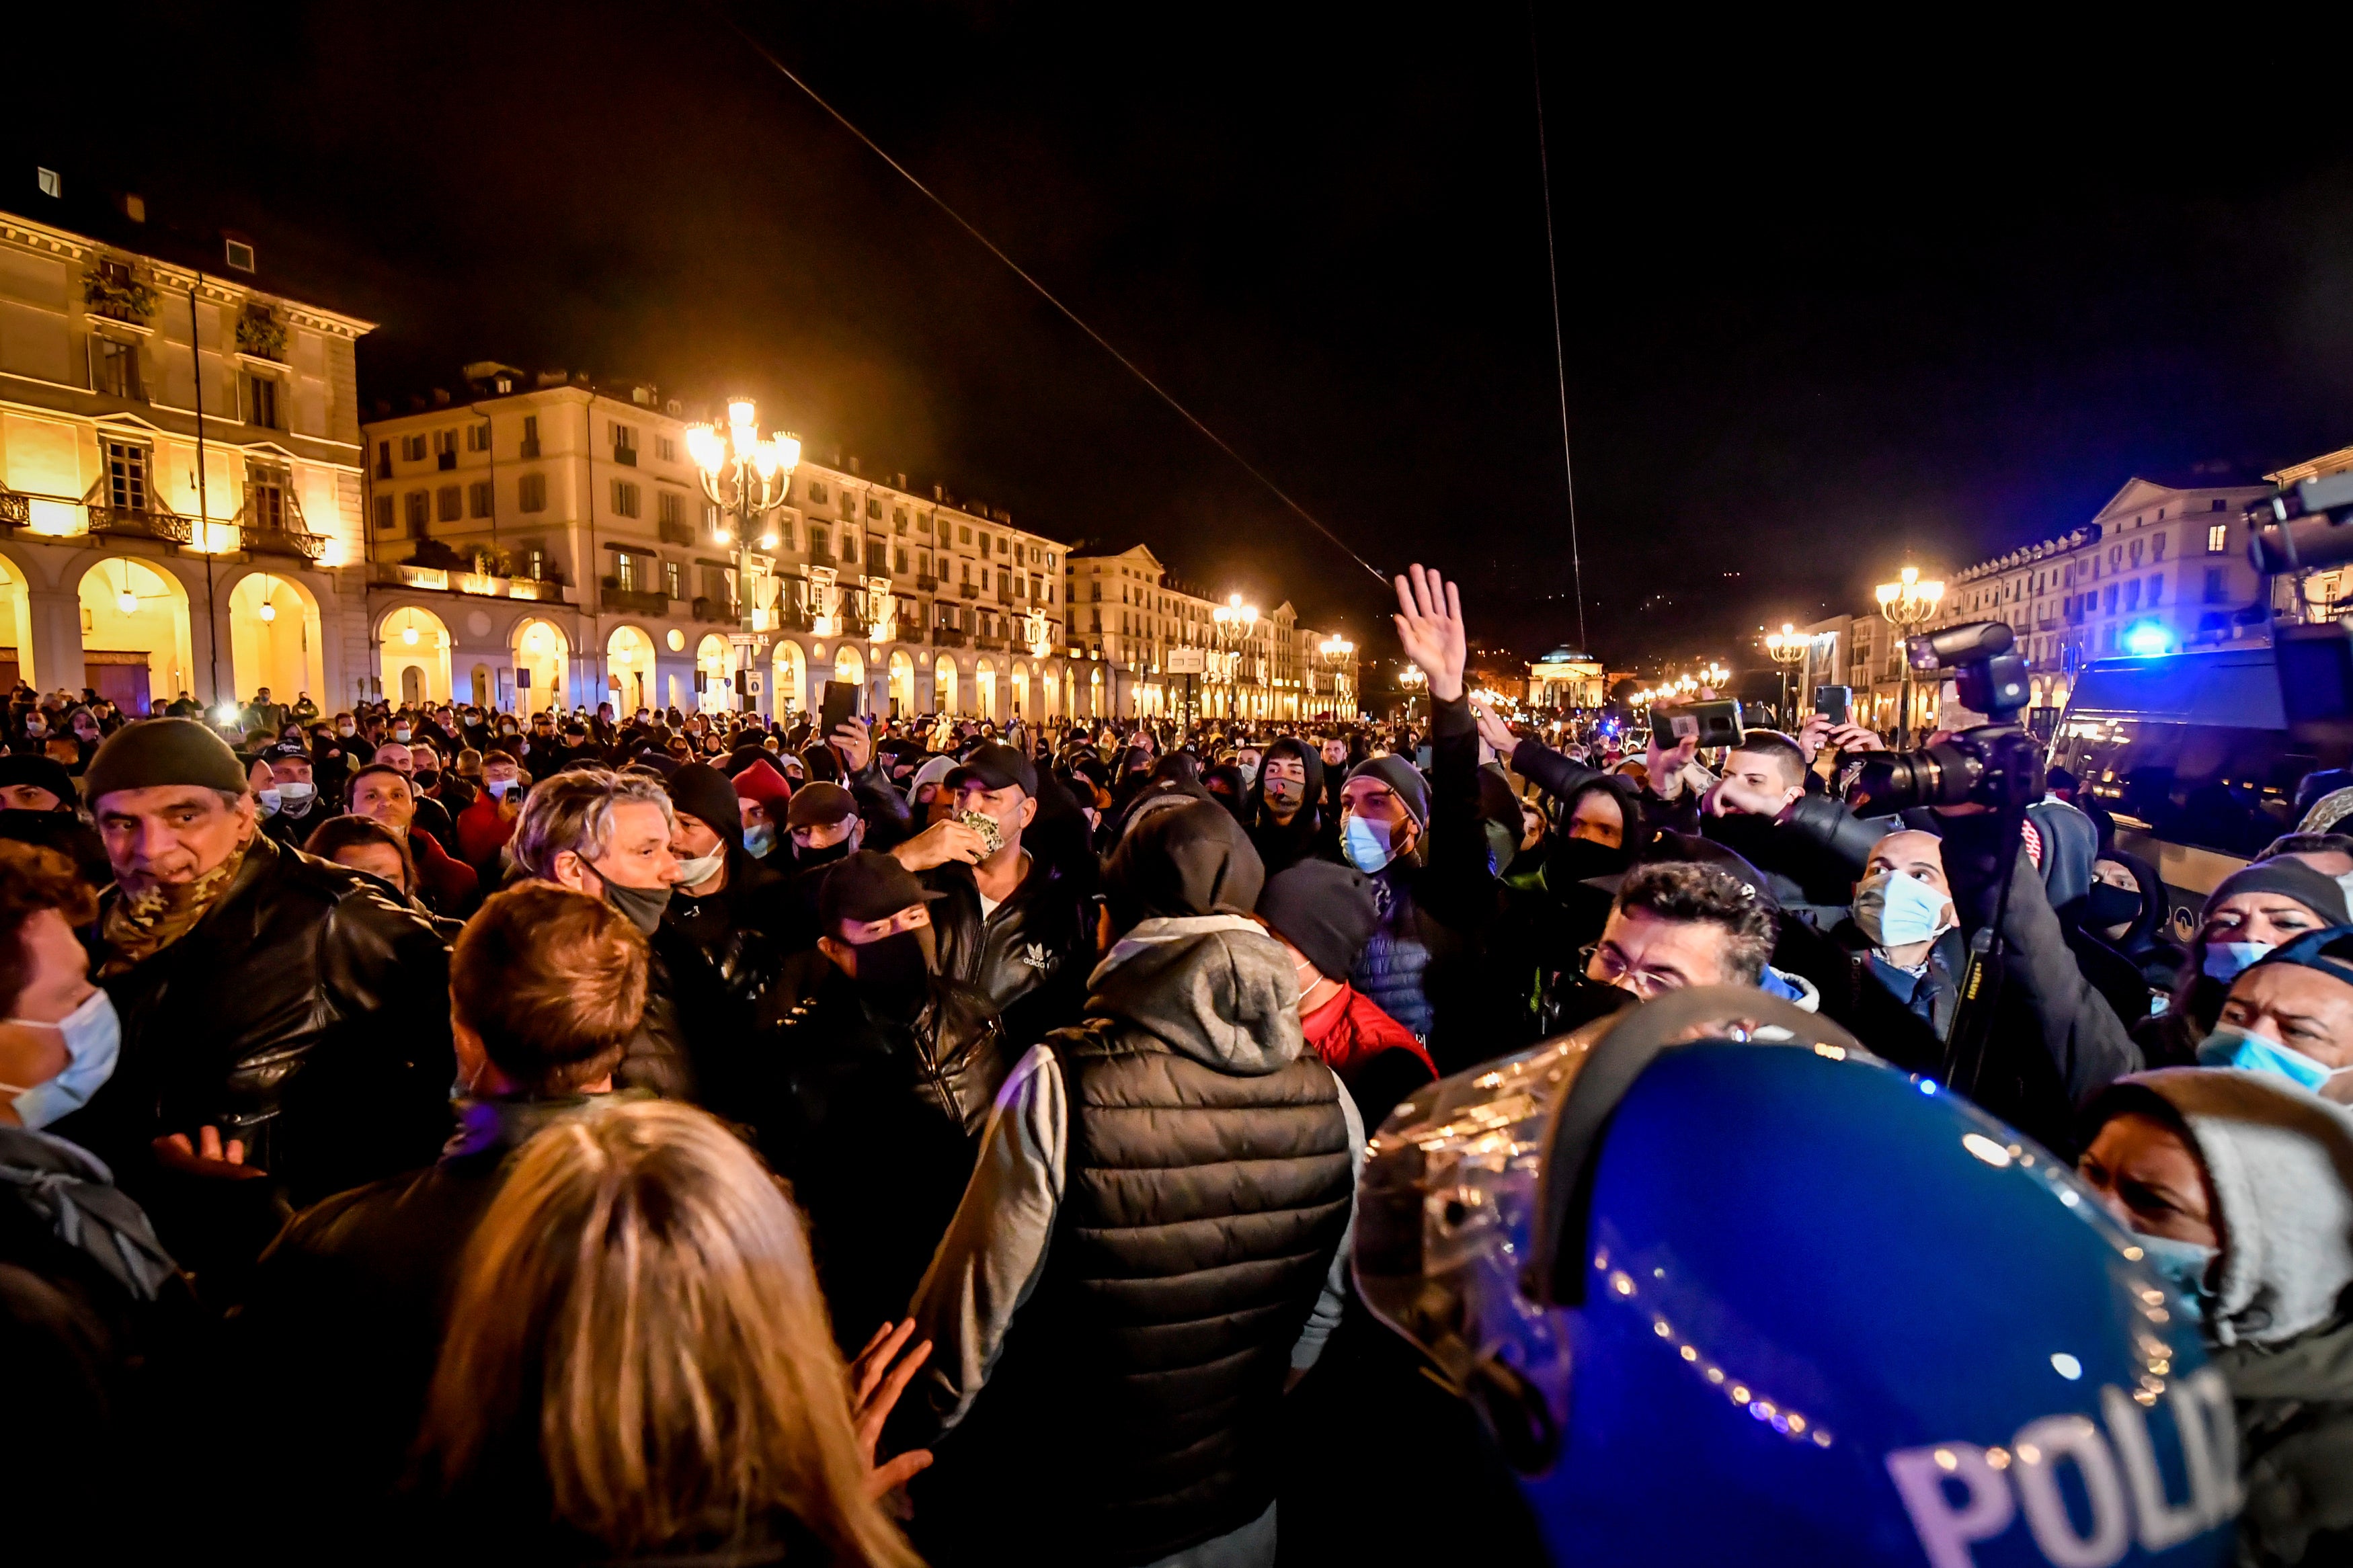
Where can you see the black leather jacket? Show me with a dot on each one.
(307, 1013)
(876, 1123)
(1031, 958)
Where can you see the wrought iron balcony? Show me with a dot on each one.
(267, 540)
(991, 644)
(634, 602)
(713, 610)
(969, 590)
(927, 584)
(675, 532)
(947, 636)
(131, 523)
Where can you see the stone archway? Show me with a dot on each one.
(542, 658)
(902, 684)
(274, 637)
(630, 670)
(135, 645)
(944, 686)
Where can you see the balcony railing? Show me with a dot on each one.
(633, 602)
(402, 574)
(969, 590)
(947, 636)
(128, 523)
(927, 584)
(626, 456)
(713, 610)
(280, 541)
(991, 644)
(675, 532)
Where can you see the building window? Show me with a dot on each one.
(261, 401)
(874, 559)
(448, 498)
(673, 580)
(2112, 599)
(2156, 591)
(535, 563)
(816, 491)
(530, 493)
(2217, 506)
(266, 497)
(477, 436)
(420, 508)
(477, 498)
(984, 542)
(2218, 538)
(899, 520)
(898, 558)
(873, 509)
(666, 448)
(383, 520)
(2136, 553)
(820, 542)
(114, 368)
(670, 507)
(964, 535)
(531, 435)
(412, 448)
(445, 447)
(624, 496)
(2132, 595)
(2156, 548)
(2218, 586)
(239, 254)
(625, 571)
(625, 439)
(848, 547)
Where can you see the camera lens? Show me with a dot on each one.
(1894, 781)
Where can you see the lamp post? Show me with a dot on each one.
(1904, 604)
(1415, 681)
(1235, 623)
(1788, 648)
(1337, 651)
(746, 478)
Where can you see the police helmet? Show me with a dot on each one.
(1726, 1287)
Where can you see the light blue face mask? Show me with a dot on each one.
(1896, 910)
(758, 839)
(2226, 959)
(2181, 1264)
(93, 1043)
(269, 800)
(2232, 1046)
(1366, 844)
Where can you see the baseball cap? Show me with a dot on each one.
(821, 803)
(286, 751)
(865, 887)
(994, 766)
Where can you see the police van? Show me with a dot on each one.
(2189, 752)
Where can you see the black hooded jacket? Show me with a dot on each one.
(1312, 834)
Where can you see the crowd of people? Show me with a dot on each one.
(593, 1137)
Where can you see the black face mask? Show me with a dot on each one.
(1575, 859)
(2108, 905)
(824, 857)
(894, 973)
(427, 777)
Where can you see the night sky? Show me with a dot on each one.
(1822, 308)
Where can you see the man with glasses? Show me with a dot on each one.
(1682, 923)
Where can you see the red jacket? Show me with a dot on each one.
(1350, 1030)
(482, 831)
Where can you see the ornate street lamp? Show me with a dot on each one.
(746, 478)
(1905, 604)
(1235, 623)
(1788, 648)
(1415, 681)
(1337, 651)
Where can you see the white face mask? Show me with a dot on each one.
(694, 873)
(93, 1037)
(269, 800)
(296, 791)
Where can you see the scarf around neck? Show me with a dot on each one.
(143, 924)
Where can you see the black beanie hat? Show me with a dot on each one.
(41, 772)
(708, 795)
(1401, 776)
(157, 751)
(1323, 910)
(2290, 879)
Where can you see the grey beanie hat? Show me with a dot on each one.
(157, 751)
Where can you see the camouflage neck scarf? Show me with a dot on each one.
(143, 924)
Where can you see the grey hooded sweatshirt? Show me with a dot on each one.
(1215, 987)
(2279, 1160)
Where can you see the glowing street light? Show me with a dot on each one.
(1905, 604)
(746, 478)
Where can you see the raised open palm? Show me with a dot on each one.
(1429, 625)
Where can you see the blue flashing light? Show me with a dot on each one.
(2146, 638)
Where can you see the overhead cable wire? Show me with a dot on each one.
(1559, 354)
(1048, 295)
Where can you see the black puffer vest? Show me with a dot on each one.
(1199, 1215)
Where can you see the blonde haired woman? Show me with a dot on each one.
(638, 1365)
